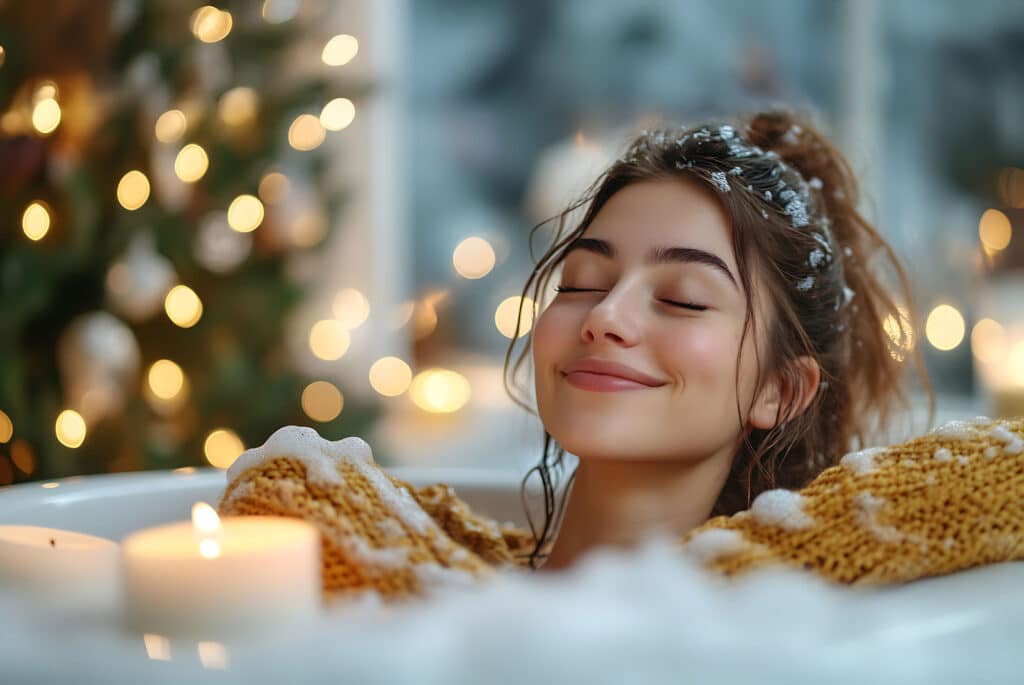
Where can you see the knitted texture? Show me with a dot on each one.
(940, 503)
(377, 533)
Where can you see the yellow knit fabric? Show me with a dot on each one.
(365, 546)
(936, 504)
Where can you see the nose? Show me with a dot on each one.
(612, 318)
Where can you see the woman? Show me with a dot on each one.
(716, 334)
(716, 331)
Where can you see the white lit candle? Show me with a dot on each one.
(217, 578)
(59, 566)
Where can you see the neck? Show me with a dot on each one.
(618, 503)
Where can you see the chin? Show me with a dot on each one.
(604, 442)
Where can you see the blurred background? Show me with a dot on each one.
(217, 220)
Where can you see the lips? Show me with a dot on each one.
(603, 367)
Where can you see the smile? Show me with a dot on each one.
(599, 382)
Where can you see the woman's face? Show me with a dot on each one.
(687, 408)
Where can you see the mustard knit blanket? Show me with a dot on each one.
(939, 503)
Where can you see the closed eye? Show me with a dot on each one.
(673, 303)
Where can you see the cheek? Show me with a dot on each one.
(553, 333)
(705, 354)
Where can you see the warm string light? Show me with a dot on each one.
(133, 190)
(70, 428)
(944, 327)
(308, 228)
(279, 11)
(3, 55)
(439, 391)
(46, 116)
(322, 401)
(170, 126)
(995, 231)
(6, 427)
(329, 340)
(35, 221)
(238, 106)
(191, 163)
(390, 376)
(989, 341)
(473, 258)
(23, 457)
(508, 313)
(340, 50)
(222, 447)
(210, 24)
(245, 213)
(166, 379)
(183, 306)
(273, 187)
(351, 308)
(306, 133)
(337, 114)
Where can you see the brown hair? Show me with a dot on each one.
(793, 202)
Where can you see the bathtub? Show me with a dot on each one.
(615, 618)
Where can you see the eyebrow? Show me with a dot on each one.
(657, 255)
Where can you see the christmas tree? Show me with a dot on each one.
(161, 163)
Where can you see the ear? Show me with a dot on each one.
(783, 389)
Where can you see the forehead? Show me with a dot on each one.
(665, 212)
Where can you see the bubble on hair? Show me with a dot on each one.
(816, 183)
(816, 258)
(805, 284)
(736, 171)
(720, 181)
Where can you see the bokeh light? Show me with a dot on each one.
(308, 227)
(340, 50)
(439, 390)
(989, 341)
(35, 221)
(46, 116)
(170, 126)
(238, 106)
(70, 428)
(245, 213)
(210, 24)
(1015, 363)
(508, 313)
(191, 163)
(337, 114)
(133, 190)
(944, 327)
(166, 379)
(222, 447)
(322, 401)
(273, 187)
(350, 307)
(390, 376)
(329, 340)
(995, 230)
(6, 427)
(183, 306)
(473, 258)
(279, 11)
(23, 457)
(306, 133)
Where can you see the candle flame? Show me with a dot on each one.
(209, 549)
(205, 519)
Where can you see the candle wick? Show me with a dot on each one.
(53, 543)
